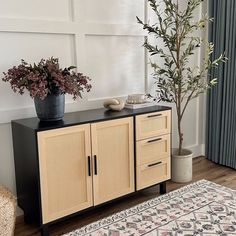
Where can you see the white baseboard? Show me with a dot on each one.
(198, 150)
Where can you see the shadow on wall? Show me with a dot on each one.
(7, 170)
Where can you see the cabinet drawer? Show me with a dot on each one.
(153, 149)
(153, 124)
(153, 173)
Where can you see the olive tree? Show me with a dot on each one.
(177, 81)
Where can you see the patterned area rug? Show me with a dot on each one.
(201, 208)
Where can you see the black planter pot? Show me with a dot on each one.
(52, 108)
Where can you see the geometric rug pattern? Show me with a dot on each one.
(199, 209)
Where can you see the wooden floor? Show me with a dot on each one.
(202, 169)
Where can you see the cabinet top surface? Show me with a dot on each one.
(87, 116)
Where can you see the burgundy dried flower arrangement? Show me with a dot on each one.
(46, 78)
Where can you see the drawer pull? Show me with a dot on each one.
(155, 164)
(89, 165)
(154, 140)
(95, 165)
(150, 116)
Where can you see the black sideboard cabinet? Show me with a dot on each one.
(88, 159)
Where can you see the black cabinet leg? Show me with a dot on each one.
(44, 230)
(163, 188)
(27, 219)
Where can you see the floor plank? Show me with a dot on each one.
(202, 169)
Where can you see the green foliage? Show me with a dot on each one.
(177, 81)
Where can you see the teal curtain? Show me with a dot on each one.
(221, 100)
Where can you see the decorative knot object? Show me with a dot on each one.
(7, 212)
(114, 104)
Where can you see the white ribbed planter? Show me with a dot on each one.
(181, 166)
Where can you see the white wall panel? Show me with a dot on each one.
(100, 37)
(116, 65)
(189, 126)
(114, 11)
(30, 47)
(36, 9)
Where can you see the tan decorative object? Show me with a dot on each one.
(114, 104)
(7, 212)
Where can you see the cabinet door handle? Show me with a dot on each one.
(154, 140)
(150, 116)
(95, 165)
(89, 165)
(155, 164)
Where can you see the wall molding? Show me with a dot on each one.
(18, 25)
(198, 150)
(79, 28)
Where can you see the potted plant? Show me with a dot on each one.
(177, 80)
(47, 83)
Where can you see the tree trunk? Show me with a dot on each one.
(180, 136)
(178, 65)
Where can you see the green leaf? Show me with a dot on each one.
(71, 67)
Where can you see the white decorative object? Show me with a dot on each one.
(139, 105)
(136, 98)
(114, 104)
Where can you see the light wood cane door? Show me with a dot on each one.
(66, 186)
(113, 159)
